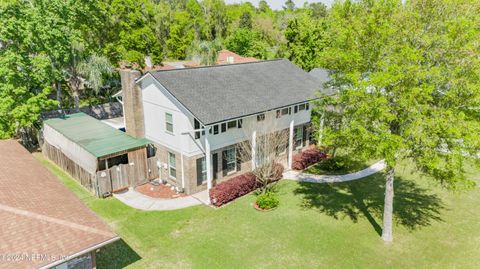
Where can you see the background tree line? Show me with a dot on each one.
(62, 53)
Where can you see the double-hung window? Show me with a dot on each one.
(172, 165)
(232, 124)
(298, 136)
(230, 160)
(286, 111)
(169, 122)
(196, 126)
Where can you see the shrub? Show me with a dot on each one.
(334, 164)
(232, 189)
(240, 185)
(267, 200)
(307, 157)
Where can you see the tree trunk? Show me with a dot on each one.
(76, 100)
(58, 88)
(388, 207)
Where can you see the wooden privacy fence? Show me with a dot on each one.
(122, 176)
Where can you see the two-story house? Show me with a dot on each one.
(197, 116)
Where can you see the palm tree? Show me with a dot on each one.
(206, 52)
(84, 70)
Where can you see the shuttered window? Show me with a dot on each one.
(201, 171)
(172, 165)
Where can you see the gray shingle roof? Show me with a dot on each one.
(218, 93)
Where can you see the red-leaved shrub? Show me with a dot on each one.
(307, 157)
(240, 185)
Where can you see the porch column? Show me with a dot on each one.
(254, 150)
(320, 131)
(290, 146)
(208, 157)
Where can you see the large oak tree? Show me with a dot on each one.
(409, 80)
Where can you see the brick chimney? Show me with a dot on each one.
(132, 103)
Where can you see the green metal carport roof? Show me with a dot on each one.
(95, 136)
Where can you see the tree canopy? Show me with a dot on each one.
(408, 78)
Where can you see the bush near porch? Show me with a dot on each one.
(239, 186)
(307, 157)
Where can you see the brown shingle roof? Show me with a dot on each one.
(223, 56)
(39, 215)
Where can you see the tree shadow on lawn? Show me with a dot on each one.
(116, 255)
(413, 206)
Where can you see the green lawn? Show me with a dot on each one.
(316, 225)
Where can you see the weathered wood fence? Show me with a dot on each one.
(76, 171)
(122, 176)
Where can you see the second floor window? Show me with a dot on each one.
(260, 117)
(196, 126)
(169, 122)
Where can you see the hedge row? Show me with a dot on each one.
(307, 157)
(238, 186)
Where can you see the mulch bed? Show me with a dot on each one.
(158, 191)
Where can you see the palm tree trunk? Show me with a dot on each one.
(58, 88)
(388, 207)
(76, 100)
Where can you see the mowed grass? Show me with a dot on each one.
(316, 226)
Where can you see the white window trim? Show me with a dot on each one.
(234, 160)
(166, 123)
(204, 171)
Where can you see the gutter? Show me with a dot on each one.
(80, 253)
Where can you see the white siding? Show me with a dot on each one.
(156, 102)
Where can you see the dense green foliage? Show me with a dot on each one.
(46, 45)
(409, 78)
(408, 74)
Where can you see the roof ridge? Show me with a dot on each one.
(217, 65)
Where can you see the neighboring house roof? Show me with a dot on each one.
(94, 136)
(40, 216)
(323, 76)
(228, 57)
(222, 92)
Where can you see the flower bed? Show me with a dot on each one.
(307, 157)
(239, 186)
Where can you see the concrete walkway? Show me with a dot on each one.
(305, 177)
(137, 200)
